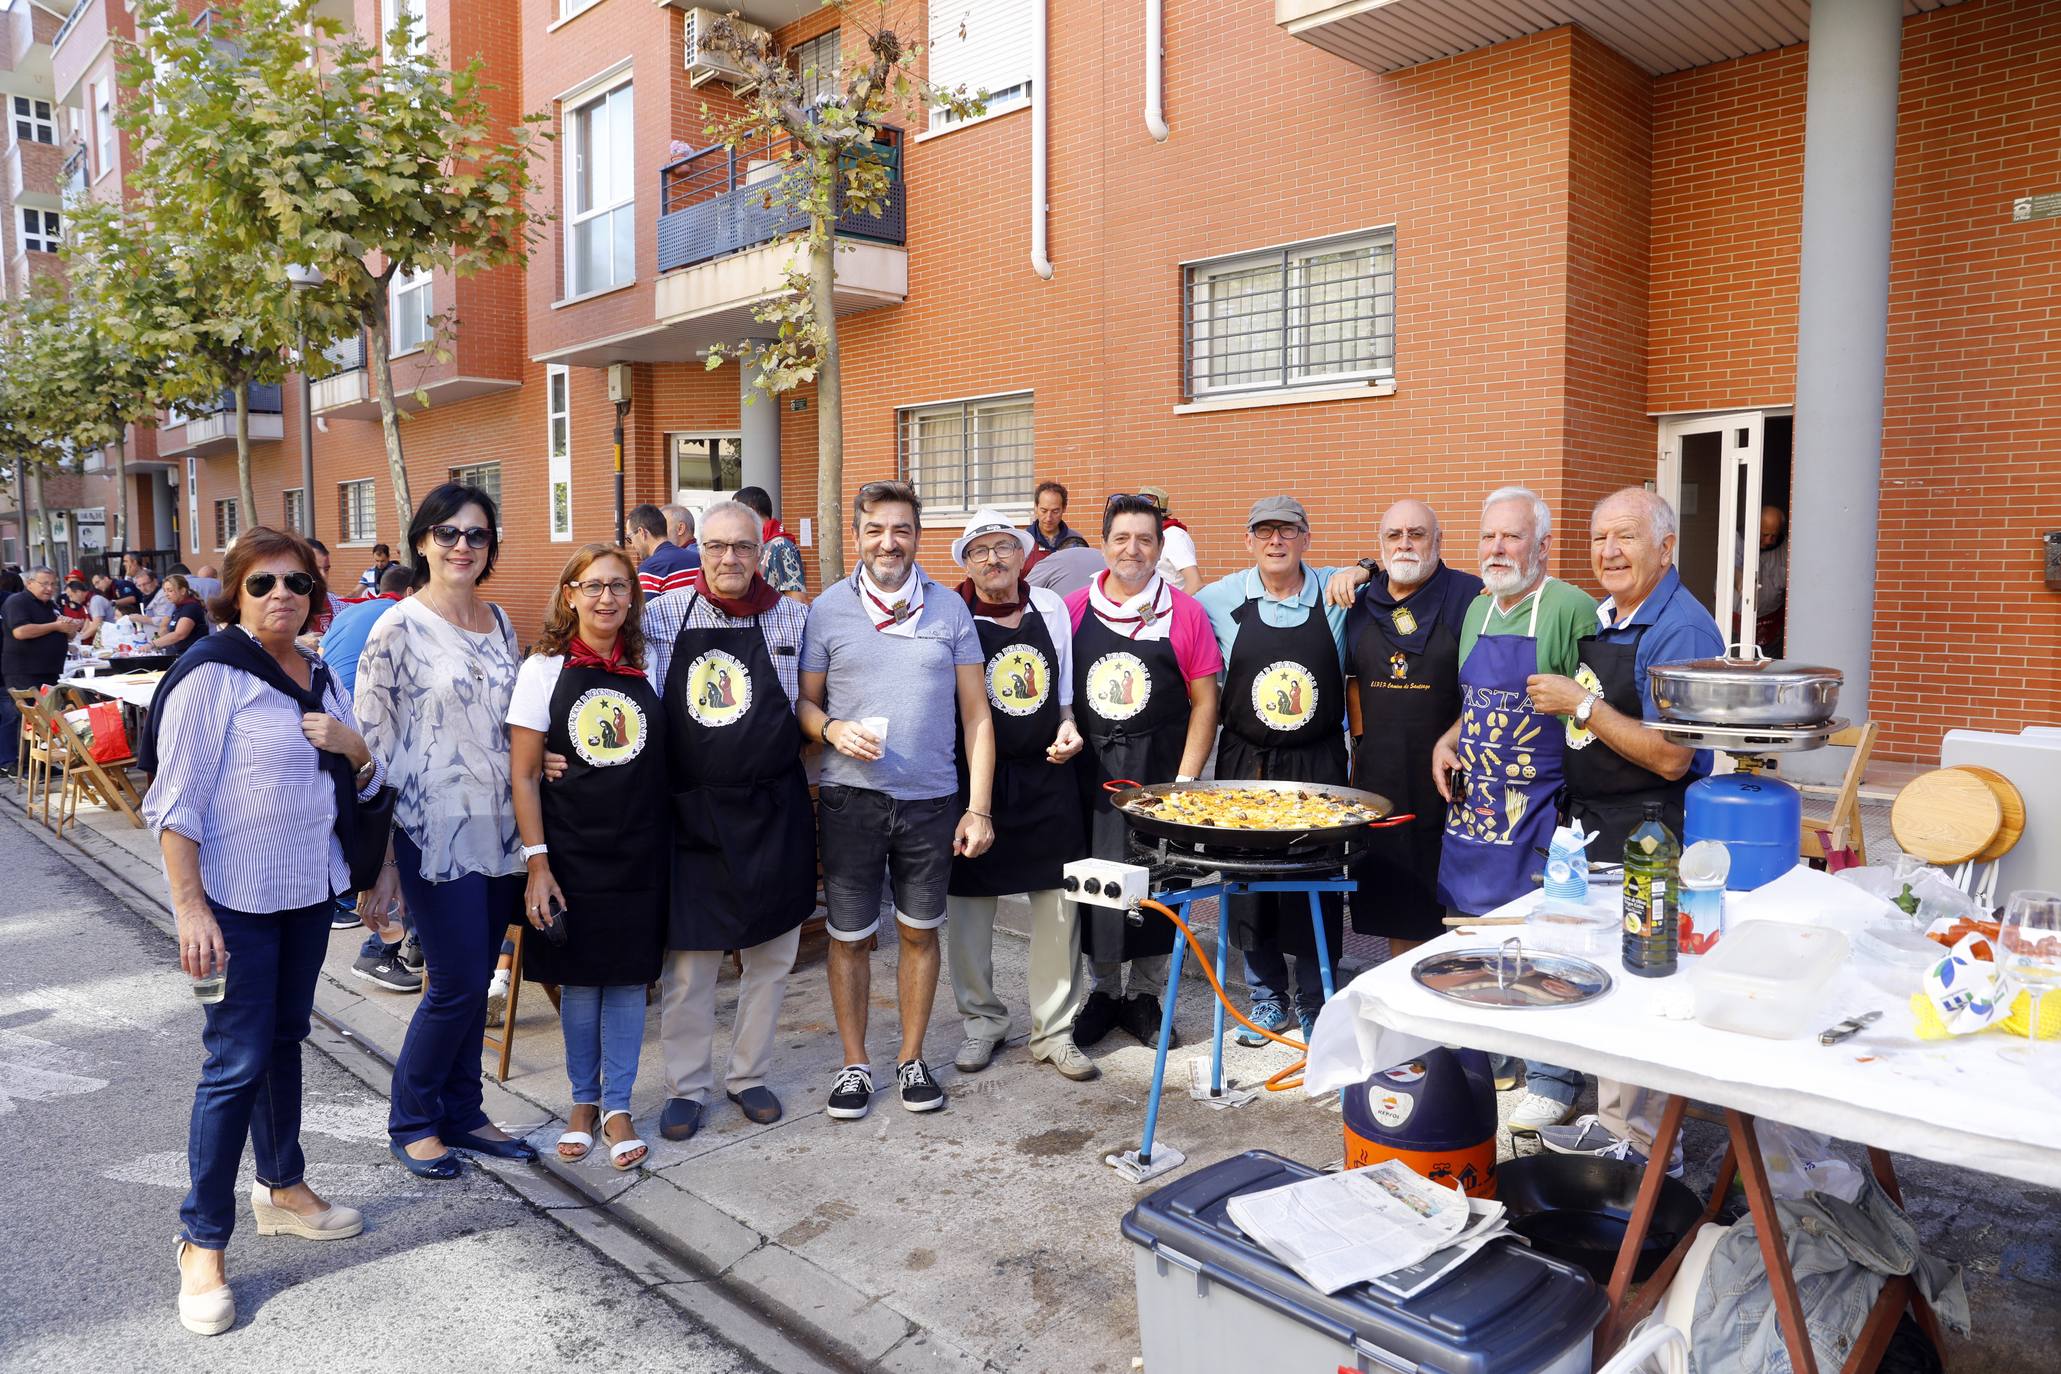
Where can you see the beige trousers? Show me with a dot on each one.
(1629, 1112)
(687, 1016)
(1056, 988)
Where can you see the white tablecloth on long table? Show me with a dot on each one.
(134, 691)
(1961, 1101)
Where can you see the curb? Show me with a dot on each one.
(714, 1266)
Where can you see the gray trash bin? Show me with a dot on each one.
(1210, 1301)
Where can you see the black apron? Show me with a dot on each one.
(1406, 702)
(1037, 808)
(603, 821)
(744, 836)
(1606, 791)
(1284, 714)
(1131, 704)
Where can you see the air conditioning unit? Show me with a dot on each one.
(704, 66)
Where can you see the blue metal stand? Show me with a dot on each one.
(1180, 901)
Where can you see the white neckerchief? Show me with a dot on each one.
(1146, 616)
(910, 595)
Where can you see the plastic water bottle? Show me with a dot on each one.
(1652, 858)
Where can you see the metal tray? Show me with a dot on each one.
(1747, 739)
(1511, 977)
(1123, 793)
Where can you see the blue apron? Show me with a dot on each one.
(1496, 832)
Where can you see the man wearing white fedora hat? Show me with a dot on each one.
(1026, 640)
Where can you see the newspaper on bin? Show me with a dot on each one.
(1360, 1225)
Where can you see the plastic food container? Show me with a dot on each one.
(1895, 957)
(1767, 978)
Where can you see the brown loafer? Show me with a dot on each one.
(758, 1105)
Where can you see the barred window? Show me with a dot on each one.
(357, 521)
(485, 476)
(228, 520)
(816, 63)
(297, 510)
(962, 455)
(1302, 315)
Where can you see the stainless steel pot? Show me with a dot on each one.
(1744, 688)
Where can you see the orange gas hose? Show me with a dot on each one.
(1290, 1077)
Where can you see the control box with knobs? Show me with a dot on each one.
(1104, 882)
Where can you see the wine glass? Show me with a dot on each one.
(2029, 950)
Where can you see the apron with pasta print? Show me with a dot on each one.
(1497, 831)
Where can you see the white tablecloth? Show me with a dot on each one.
(1960, 1101)
(127, 690)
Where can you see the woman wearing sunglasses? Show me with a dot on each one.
(256, 761)
(433, 687)
(594, 842)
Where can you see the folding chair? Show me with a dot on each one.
(85, 776)
(1844, 824)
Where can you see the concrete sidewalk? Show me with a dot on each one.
(986, 1236)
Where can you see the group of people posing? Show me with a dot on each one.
(966, 732)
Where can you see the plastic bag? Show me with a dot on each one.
(1800, 1161)
(1917, 889)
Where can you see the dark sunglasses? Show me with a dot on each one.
(447, 536)
(260, 584)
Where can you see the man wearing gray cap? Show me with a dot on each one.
(1284, 717)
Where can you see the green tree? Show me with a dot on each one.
(823, 133)
(272, 135)
(35, 412)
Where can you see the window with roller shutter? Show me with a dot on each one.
(983, 45)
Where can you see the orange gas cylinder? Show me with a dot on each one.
(1436, 1114)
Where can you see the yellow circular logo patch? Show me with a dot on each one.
(1019, 680)
(718, 689)
(607, 728)
(1284, 695)
(1118, 685)
(1578, 736)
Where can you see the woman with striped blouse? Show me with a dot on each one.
(255, 754)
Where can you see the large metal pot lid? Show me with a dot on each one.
(1511, 977)
(1746, 664)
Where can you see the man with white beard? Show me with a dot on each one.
(1500, 764)
(1402, 638)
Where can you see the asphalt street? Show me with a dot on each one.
(99, 1052)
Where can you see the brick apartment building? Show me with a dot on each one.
(1354, 250)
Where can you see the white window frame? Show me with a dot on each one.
(978, 481)
(228, 521)
(418, 42)
(411, 299)
(995, 55)
(617, 96)
(356, 515)
(716, 436)
(1293, 365)
(827, 84)
(34, 119)
(42, 231)
(558, 448)
(102, 92)
(572, 9)
(296, 521)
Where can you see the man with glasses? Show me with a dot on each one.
(36, 634)
(890, 681)
(1145, 668)
(1026, 637)
(1284, 720)
(724, 657)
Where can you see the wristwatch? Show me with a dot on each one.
(531, 851)
(1369, 566)
(364, 775)
(1585, 710)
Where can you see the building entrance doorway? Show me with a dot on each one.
(706, 468)
(1723, 474)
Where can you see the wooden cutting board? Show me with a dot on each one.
(1947, 816)
(2012, 803)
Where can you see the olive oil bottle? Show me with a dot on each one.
(1652, 858)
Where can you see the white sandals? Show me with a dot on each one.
(583, 1139)
(619, 1151)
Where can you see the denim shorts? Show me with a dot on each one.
(867, 834)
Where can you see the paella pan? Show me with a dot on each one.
(1251, 814)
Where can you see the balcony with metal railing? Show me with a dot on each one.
(210, 427)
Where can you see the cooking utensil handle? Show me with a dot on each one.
(1511, 950)
(1115, 785)
(1743, 652)
(1387, 821)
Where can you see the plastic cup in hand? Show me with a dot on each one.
(391, 931)
(876, 726)
(209, 987)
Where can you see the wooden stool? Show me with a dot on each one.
(504, 1039)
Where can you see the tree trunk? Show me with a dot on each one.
(119, 535)
(33, 516)
(382, 367)
(245, 496)
(830, 514)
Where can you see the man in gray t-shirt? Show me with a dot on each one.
(891, 673)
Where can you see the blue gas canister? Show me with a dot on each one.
(1758, 818)
(1436, 1114)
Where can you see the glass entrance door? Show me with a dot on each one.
(1711, 473)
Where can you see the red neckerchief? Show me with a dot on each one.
(770, 530)
(1151, 617)
(1171, 522)
(990, 609)
(578, 655)
(758, 597)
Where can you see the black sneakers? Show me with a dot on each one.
(385, 970)
(851, 1096)
(1098, 1017)
(920, 1092)
(1140, 1016)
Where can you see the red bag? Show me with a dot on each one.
(109, 742)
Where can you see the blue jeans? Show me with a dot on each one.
(250, 1083)
(373, 944)
(1549, 1080)
(459, 924)
(1266, 977)
(604, 1034)
(10, 733)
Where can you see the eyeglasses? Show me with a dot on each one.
(447, 536)
(1267, 533)
(594, 587)
(260, 584)
(993, 553)
(716, 550)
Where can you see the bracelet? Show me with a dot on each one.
(389, 864)
(828, 721)
(982, 814)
